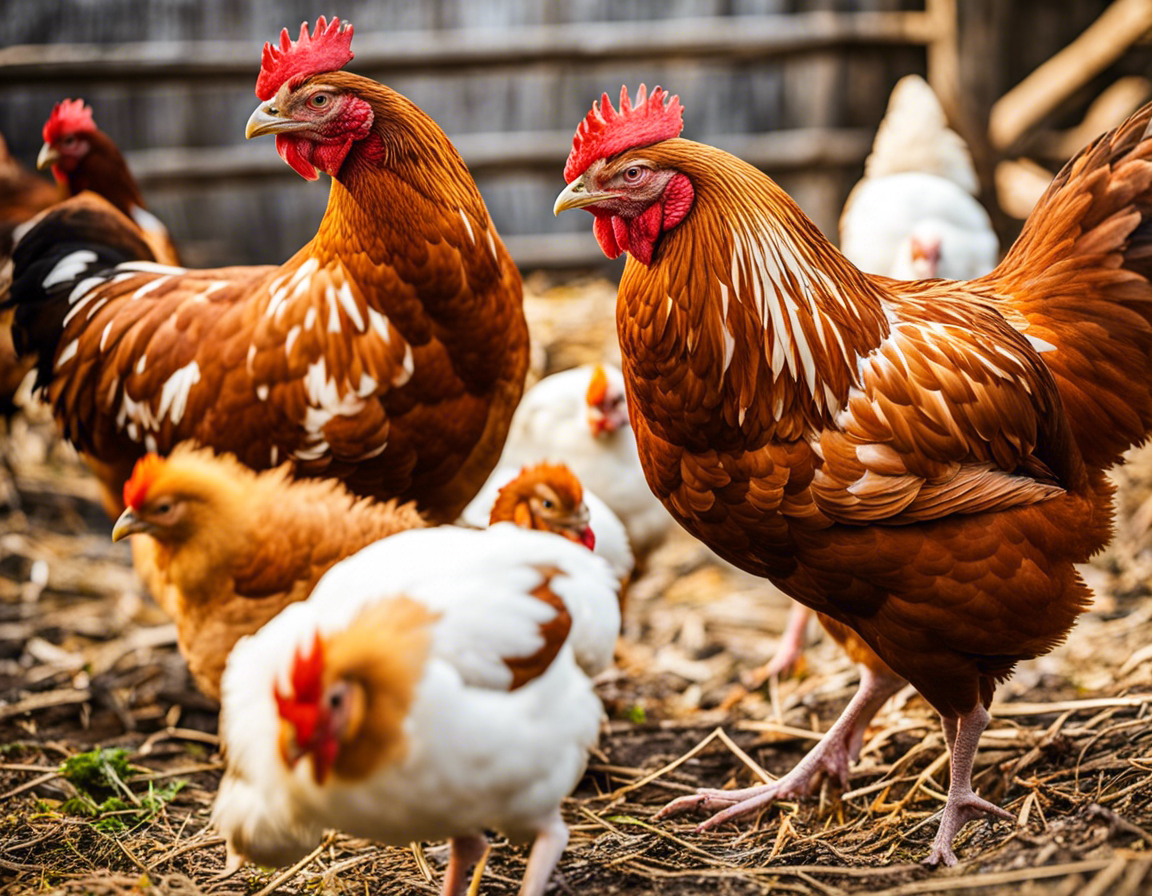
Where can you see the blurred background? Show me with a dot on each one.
(794, 87)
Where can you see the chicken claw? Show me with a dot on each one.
(836, 750)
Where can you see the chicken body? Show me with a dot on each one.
(913, 216)
(22, 195)
(557, 422)
(472, 652)
(921, 462)
(389, 353)
(224, 549)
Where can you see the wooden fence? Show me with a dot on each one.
(797, 93)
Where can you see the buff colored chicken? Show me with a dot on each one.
(224, 549)
(550, 497)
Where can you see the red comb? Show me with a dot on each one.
(68, 117)
(605, 132)
(327, 49)
(143, 475)
(597, 387)
(301, 708)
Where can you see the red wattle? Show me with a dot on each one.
(297, 152)
(620, 231)
(588, 538)
(643, 231)
(602, 228)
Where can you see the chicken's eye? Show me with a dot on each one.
(163, 508)
(319, 100)
(547, 504)
(633, 175)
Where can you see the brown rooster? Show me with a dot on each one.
(920, 461)
(389, 352)
(82, 157)
(226, 549)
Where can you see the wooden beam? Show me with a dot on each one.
(1026, 104)
(722, 38)
(486, 154)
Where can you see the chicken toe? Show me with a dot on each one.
(836, 750)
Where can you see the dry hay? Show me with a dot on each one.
(86, 661)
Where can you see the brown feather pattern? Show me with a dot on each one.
(389, 352)
(898, 456)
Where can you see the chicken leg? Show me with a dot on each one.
(464, 853)
(837, 749)
(550, 842)
(788, 651)
(963, 736)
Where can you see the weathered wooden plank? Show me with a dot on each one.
(1038, 95)
(739, 38)
(800, 148)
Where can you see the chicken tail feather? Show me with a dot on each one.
(1081, 276)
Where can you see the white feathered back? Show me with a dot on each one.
(914, 136)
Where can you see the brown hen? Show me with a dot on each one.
(82, 157)
(388, 353)
(224, 549)
(920, 461)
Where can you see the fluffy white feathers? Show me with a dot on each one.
(918, 187)
(476, 755)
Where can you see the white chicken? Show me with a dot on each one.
(551, 497)
(914, 215)
(435, 684)
(579, 417)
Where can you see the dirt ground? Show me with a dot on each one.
(87, 661)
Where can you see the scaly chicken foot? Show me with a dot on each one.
(788, 651)
(836, 750)
(464, 853)
(963, 806)
(546, 851)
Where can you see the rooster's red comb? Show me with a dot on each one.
(326, 49)
(605, 132)
(143, 475)
(68, 117)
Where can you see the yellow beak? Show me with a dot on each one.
(266, 120)
(48, 156)
(575, 195)
(129, 524)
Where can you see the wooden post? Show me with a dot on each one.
(966, 69)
